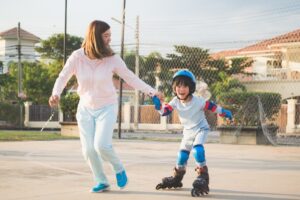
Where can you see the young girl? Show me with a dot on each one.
(94, 65)
(191, 111)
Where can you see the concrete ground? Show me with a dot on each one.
(55, 170)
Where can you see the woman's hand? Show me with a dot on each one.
(53, 101)
(160, 95)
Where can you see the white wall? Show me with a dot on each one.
(9, 52)
(260, 67)
(294, 66)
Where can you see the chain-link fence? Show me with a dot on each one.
(269, 69)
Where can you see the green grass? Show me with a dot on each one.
(31, 135)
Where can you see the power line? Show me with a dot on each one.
(249, 16)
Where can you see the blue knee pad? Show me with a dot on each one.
(199, 153)
(182, 158)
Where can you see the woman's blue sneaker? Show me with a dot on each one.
(100, 188)
(121, 179)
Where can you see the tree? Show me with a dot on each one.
(145, 68)
(200, 62)
(52, 48)
(1, 67)
(226, 84)
(54, 69)
(148, 71)
(36, 82)
(130, 58)
(8, 88)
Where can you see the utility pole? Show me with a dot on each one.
(20, 76)
(65, 33)
(121, 81)
(137, 73)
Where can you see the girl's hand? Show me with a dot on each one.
(53, 101)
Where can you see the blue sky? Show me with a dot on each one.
(213, 24)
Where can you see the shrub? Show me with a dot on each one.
(68, 105)
(245, 106)
(10, 114)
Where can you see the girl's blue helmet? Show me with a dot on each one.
(185, 72)
(189, 75)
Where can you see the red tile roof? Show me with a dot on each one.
(264, 45)
(223, 54)
(13, 34)
(290, 37)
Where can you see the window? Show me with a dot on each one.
(269, 64)
(274, 64)
(277, 64)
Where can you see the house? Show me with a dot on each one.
(277, 58)
(9, 47)
(277, 69)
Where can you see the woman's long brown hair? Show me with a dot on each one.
(93, 44)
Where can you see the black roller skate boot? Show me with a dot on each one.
(200, 185)
(172, 181)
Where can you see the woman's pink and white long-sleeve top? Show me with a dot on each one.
(94, 78)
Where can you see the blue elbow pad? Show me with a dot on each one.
(167, 110)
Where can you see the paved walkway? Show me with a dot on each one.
(55, 170)
(213, 136)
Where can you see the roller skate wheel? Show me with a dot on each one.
(159, 186)
(194, 193)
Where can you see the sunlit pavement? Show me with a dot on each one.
(55, 170)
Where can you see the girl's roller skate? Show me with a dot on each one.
(172, 181)
(200, 185)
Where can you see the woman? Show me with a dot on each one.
(94, 65)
